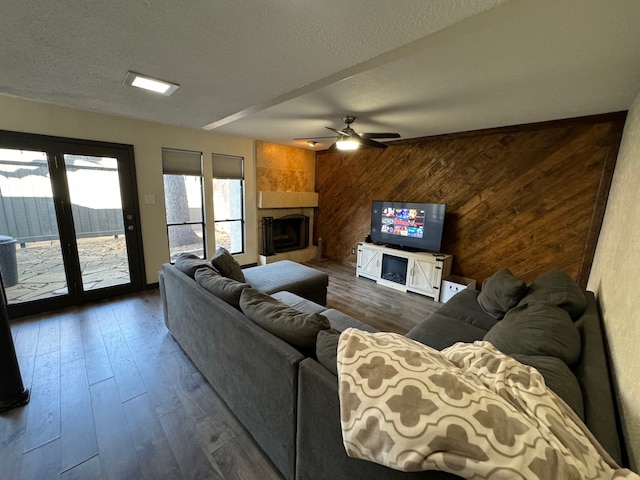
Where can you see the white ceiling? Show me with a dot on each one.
(284, 69)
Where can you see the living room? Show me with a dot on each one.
(560, 206)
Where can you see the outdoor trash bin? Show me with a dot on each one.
(8, 262)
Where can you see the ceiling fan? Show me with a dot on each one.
(349, 139)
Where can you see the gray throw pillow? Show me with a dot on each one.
(224, 262)
(558, 377)
(501, 292)
(189, 263)
(327, 349)
(537, 329)
(294, 327)
(557, 288)
(224, 288)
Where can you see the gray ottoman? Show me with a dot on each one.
(288, 276)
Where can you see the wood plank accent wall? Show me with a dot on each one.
(528, 198)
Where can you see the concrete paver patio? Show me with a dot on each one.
(41, 271)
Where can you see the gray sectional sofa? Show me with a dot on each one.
(286, 395)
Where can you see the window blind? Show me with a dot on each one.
(227, 166)
(181, 162)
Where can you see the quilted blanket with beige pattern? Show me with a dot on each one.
(468, 410)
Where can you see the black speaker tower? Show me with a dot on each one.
(12, 392)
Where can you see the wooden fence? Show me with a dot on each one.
(32, 219)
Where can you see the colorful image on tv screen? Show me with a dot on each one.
(406, 222)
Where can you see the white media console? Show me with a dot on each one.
(419, 272)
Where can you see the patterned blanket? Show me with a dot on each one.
(468, 410)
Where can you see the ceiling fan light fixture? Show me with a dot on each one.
(148, 83)
(347, 144)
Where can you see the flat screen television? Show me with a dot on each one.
(410, 226)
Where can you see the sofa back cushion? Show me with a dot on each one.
(500, 292)
(537, 329)
(224, 262)
(189, 263)
(464, 306)
(438, 331)
(294, 327)
(224, 288)
(327, 349)
(558, 377)
(557, 288)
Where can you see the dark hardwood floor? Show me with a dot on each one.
(114, 397)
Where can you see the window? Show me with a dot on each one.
(228, 202)
(183, 200)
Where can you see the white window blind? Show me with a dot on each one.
(227, 166)
(181, 162)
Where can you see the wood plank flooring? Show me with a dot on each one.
(114, 397)
(381, 307)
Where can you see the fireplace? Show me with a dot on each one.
(284, 234)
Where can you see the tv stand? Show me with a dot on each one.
(402, 248)
(418, 272)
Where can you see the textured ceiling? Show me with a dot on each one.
(283, 69)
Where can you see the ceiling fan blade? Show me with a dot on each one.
(339, 132)
(372, 143)
(313, 138)
(380, 135)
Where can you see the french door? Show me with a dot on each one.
(69, 222)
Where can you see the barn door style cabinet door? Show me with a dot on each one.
(369, 262)
(418, 272)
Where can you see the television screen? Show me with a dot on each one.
(415, 226)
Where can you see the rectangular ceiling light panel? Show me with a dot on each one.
(148, 83)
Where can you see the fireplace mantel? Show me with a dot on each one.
(268, 199)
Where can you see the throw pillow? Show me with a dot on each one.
(559, 289)
(537, 329)
(189, 263)
(558, 377)
(327, 349)
(224, 262)
(224, 288)
(501, 292)
(294, 327)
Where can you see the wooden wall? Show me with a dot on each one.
(528, 198)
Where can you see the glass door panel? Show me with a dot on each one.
(68, 222)
(96, 206)
(31, 256)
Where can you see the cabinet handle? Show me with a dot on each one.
(412, 271)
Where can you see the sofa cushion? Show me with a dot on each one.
(286, 275)
(224, 262)
(439, 332)
(294, 327)
(464, 306)
(301, 304)
(341, 321)
(189, 263)
(327, 349)
(224, 288)
(558, 377)
(537, 329)
(500, 292)
(559, 289)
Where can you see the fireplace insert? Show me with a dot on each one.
(284, 234)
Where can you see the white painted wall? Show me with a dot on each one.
(147, 139)
(615, 279)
